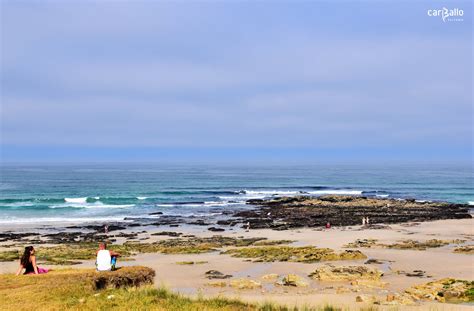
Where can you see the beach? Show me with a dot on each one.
(291, 236)
(190, 279)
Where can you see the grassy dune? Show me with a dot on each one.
(74, 289)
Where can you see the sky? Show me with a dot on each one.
(235, 80)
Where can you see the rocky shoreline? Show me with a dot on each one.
(303, 211)
(281, 213)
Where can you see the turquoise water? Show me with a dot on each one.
(84, 193)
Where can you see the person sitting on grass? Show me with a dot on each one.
(28, 262)
(106, 260)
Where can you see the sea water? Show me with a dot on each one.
(87, 193)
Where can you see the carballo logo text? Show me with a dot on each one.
(448, 15)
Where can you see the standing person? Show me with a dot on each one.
(28, 262)
(106, 260)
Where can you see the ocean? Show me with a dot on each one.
(87, 193)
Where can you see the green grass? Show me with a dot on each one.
(68, 254)
(74, 290)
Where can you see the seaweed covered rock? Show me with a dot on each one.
(444, 290)
(422, 245)
(340, 210)
(468, 249)
(245, 284)
(346, 273)
(403, 244)
(124, 277)
(214, 274)
(305, 254)
(293, 280)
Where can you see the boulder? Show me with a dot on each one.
(245, 284)
(366, 299)
(271, 276)
(214, 274)
(293, 280)
(346, 273)
(217, 284)
(444, 290)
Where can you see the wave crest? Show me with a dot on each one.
(76, 200)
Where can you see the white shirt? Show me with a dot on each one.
(103, 260)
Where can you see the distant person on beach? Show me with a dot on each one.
(28, 262)
(106, 260)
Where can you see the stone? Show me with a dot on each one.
(214, 274)
(346, 273)
(293, 280)
(215, 229)
(285, 213)
(373, 261)
(444, 290)
(217, 284)
(245, 284)
(271, 276)
(366, 299)
(469, 249)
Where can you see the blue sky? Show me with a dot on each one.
(235, 80)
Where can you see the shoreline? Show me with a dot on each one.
(190, 280)
(184, 249)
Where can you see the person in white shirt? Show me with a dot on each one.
(106, 260)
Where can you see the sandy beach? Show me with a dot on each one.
(435, 263)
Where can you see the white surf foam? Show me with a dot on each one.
(204, 204)
(17, 204)
(91, 205)
(142, 198)
(470, 202)
(76, 200)
(260, 194)
(60, 219)
(382, 195)
(222, 203)
(336, 191)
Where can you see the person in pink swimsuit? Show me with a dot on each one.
(28, 262)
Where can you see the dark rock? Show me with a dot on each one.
(214, 274)
(373, 261)
(199, 222)
(168, 233)
(215, 229)
(304, 211)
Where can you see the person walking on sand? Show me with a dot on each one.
(106, 260)
(28, 262)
